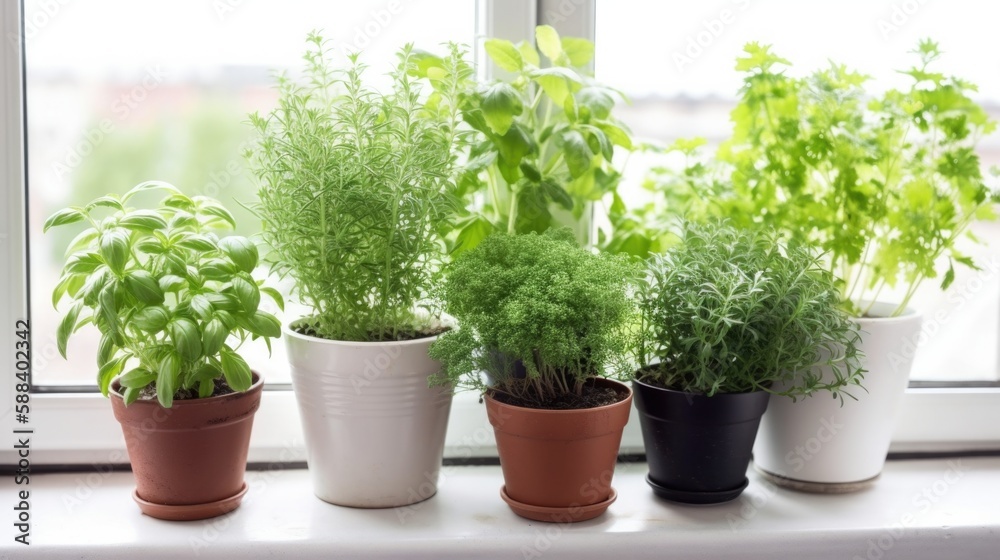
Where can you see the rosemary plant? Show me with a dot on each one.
(355, 190)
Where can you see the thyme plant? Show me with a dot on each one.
(539, 314)
(170, 297)
(732, 311)
(355, 190)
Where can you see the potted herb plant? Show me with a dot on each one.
(354, 195)
(886, 186)
(728, 318)
(173, 302)
(544, 319)
(544, 144)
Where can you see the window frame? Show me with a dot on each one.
(78, 428)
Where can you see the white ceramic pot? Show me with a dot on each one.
(374, 430)
(815, 444)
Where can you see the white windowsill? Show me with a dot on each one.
(919, 509)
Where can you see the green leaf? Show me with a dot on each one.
(596, 100)
(241, 250)
(66, 327)
(150, 245)
(206, 372)
(617, 135)
(500, 104)
(151, 319)
(137, 378)
(107, 302)
(109, 370)
(142, 220)
(172, 283)
(186, 337)
(81, 241)
(504, 54)
(555, 87)
(143, 287)
(149, 186)
(94, 284)
(265, 324)
(224, 302)
(469, 237)
(515, 145)
(548, 42)
(580, 51)
(167, 378)
(202, 307)
(275, 295)
(197, 242)
(63, 217)
(247, 294)
(558, 194)
(213, 337)
(83, 263)
(217, 269)
(528, 53)
(130, 396)
(216, 210)
(236, 370)
(577, 153)
(949, 277)
(109, 201)
(105, 350)
(115, 249)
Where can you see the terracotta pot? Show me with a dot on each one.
(558, 464)
(188, 460)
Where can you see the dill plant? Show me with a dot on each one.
(730, 310)
(354, 190)
(539, 314)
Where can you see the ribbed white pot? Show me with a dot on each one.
(374, 430)
(817, 441)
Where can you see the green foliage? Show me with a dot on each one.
(355, 189)
(538, 304)
(885, 186)
(733, 311)
(167, 294)
(546, 138)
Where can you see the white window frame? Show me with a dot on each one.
(79, 428)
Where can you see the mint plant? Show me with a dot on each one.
(539, 314)
(173, 300)
(545, 143)
(356, 190)
(733, 311)
(885, 185)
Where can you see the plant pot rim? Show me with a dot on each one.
(909, 313)
(677, 391)
(290, 332)
(564, 411)
(190, 403)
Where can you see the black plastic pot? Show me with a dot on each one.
(698, 448)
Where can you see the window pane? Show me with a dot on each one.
(676, 61)
(120, 92)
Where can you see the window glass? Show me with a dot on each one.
(676, 61)
(119, 92)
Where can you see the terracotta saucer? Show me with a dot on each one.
(190, 512)
(570, 514)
